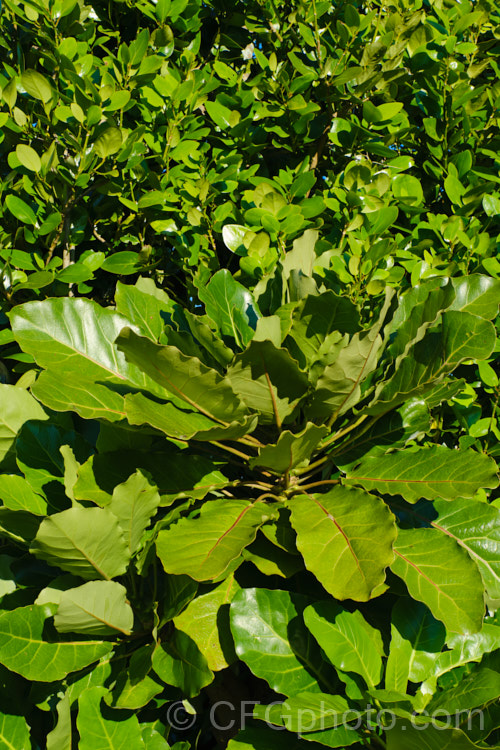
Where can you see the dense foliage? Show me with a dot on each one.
(248, 422)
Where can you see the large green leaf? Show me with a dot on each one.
(457, 337)
(439, 573)
(23, 648)
(393, 430)
(477, 689)
(339, 387)
(96, 608)
(36, 85)
(180, 423)
(17, 406)
(291, 450)
(108, 142)
(308, 712)
(20, 209)
(144, 305)
(17, 494)
(314, 319)
(74, 339)
(134, 503)
(14, 732)
(430, 472)
(203, 547)
(179, 662)
(350, 643)
(267, 380)
(186, 378)
(417, 310)
(89, 399)
(136, 685)
(411, 734)
(270, 637)
(176, 473)
(40, 448)
(100, 732)
(75, 336)
(345, 537)
(477, 294)
(206, 621)
(85, 541)
(60, 738)
(231, 306)
(476, 527)
(463, 650)
(416, 642)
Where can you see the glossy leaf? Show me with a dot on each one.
(17, 494)
(134, 503)
(315, 318)
(203, 547)
(96, 608)
(14, 732)
(20, 209)
(267, 380)
(458, 336)
(476, 527)
(182, 424)
(345, 537)
(75, 337)
(270, 637)
(349, 642)
(478, 689)
(206, 621)
(17, 407)
(179, 662)
(291, 450)
(416, 642)
(85, 541)
(477, 294)
(230, 306)
(144, 305)
(439, 573)
(186, 378)
(434, 472)
(24, 650)
(98, 732)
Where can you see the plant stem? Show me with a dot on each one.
(317, 484)
(231, 450)
(314, 465)
(345, 431)
(266, 494)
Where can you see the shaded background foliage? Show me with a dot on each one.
(312, 149)
(155, 125)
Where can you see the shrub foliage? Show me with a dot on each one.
(249, 426)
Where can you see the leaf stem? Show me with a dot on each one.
(314, 465)
(345, 431)
(317, 484)
(231, 450)
(365, 429)
(267, 494)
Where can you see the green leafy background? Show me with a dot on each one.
(249, 374)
